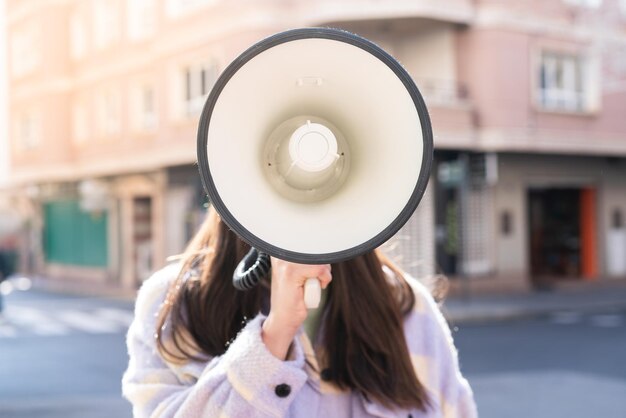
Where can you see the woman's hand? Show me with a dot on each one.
(288, 311)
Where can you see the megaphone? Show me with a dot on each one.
(314, 146)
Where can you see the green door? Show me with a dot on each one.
(72, 236)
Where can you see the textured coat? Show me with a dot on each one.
(248, 381)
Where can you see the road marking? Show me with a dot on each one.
(116, 315)
(566, 318)
(36, 321)
(21, 320)
(87, 322)
(607, 321)
(597, 320)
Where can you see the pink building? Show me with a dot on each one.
(528, 102)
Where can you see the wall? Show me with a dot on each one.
(498, 61)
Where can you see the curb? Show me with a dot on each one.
(72, 288)
(487, 314)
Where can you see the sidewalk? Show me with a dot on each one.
(601, 296)
(580, 297)
(78, 288)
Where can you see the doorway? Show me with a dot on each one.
(449, 174)
(142, 238)
(562, 225)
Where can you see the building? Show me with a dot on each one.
(9, 219)
(4, 132)
(527, 102)
(544, 193)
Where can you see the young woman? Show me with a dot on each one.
(377, 346)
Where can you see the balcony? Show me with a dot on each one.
(325, 11)
(450, 112)
(441, 92)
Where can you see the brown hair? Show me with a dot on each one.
(363, 314)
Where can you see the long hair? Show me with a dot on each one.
(362, 337)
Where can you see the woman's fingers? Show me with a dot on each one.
(324, 275)
(300, 272)
(288, 309)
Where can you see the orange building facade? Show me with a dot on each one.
(527, 103)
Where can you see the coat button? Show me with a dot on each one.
(283, 390)
(326, 375)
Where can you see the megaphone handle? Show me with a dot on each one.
(312, 293)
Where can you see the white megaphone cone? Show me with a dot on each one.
(314, 146)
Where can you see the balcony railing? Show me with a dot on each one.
(454, 11)
(442, 92)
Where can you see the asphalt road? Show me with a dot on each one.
(63, 356)
(566, 364)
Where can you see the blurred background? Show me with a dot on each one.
(524, 216)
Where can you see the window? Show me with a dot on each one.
(145, 114)
(176, 8)
(78, 39)
(25, 50)
(141, 19)
(80, 123)
(106, 22)
(197, 81)
(27, 130)
(108, 105)
(592, 4)
(565, 82)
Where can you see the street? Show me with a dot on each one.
(565, 364)
(63, 356)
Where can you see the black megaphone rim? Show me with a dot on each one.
(222, 209)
